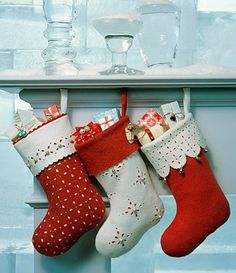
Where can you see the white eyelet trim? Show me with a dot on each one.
(46, 145)
(171, 148)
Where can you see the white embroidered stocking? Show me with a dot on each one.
(135, 206)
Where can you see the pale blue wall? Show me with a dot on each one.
(16, 218)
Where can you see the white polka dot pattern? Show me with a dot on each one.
(75, 206)
(171, 149)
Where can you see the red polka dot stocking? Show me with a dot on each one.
(75, 206)
(179, 159)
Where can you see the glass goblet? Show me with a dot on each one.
(119, 31)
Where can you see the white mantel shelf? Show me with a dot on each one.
(120, 81)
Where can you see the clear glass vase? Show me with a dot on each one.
(59, 54)
(160, 32)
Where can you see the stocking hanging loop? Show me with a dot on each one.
(124, 101)
(186, 100)
(64, 100)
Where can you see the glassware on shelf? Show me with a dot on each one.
(119, 31)
(188, 32)
(160, 32)
(59, 54)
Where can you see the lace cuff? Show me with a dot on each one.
(172, 148)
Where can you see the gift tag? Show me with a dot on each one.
(172, 113)
(129, 131)
(143, 135)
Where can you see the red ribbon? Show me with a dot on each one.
(106, 121)
(148, 132)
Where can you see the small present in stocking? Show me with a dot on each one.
(120, 169)
(75, 206)
(179, 157)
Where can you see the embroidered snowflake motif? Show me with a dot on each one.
(133, 209)
(29, 164)
(43, 154)
(60, 144)
(110, 196)
(157, 215)
(114, 171)
(141, 178)
(120, 238)
(46, 152)
(34, 160)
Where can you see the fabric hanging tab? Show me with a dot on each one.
(186, 100)
(124, 95)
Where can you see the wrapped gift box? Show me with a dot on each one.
(172, 113)
(51, 112)
(152, 125)
(84, 133)
(107, 118)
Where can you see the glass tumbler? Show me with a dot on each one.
(160, 32)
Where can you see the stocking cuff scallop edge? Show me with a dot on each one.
(172, 148)
(47, 145)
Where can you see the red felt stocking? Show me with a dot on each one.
(121, 171)
(75, 206)
(180, 159)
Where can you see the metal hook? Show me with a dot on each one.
(64, 100)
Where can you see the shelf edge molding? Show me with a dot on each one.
(112, 82)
